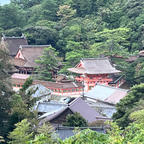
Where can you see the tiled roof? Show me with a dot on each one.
(12, 44)
(95, 66)
(20, 76)
(39, 91)
(88, 113)
(49, 107)
(80, 106)
(106, 93)
(50, 84)
(17, 78)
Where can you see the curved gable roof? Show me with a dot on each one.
(95, 66)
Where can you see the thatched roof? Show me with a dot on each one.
(12, 44)
(32, 53)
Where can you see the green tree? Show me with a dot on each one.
(41, 35)
(5, 92)
(86, 136)
(50, 9)
(75, 120)
(46, 134)
(11, 16)
(48, 64)
(125, 106)
(22, 106)
(26, 3)
(134, 72)
(82, 7)
(21, 134)
(65, 13)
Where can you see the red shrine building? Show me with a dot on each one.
(96, 70)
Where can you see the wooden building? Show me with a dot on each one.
(12, 44)
(68, 88)
(95, 70)
(61, 88)
(58, 117)
(25, 58)
(18, 80)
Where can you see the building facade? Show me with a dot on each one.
(95, 70)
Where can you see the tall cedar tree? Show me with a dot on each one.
(5, 92)
(48, 64)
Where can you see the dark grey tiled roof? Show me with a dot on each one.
(50, 84)
(95, 66)
(80, 106)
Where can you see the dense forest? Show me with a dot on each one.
(79, 28)
(76, 29)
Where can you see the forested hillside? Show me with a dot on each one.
(77, 28)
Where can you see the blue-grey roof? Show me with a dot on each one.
(101, 107)
(39, 90)
(49, 107)
(106, 93)
(66, 132)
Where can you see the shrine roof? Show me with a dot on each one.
(12, 44)
(32, 53)
(18, 62)
(17, 78)
(106, 93)
(80, 106)
(95, 66)
(20, 76)
(50, 84)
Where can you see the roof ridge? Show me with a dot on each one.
(14, 38)
(111, 87)
(103, 58)
(73, 102)
(24, 46)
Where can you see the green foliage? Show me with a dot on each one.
(11, 16)
(124, 107)
(2, 139)
(5, 93)
(75, 120)
(48, 64)
(65, 13)
(50, 9)
(137, 116)
(134, 72)
(22, 105)
(133, 134)
(26, 133)
(21, 134)
(45, 135)
(26, 84)
(40, 35)
(86, 137)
